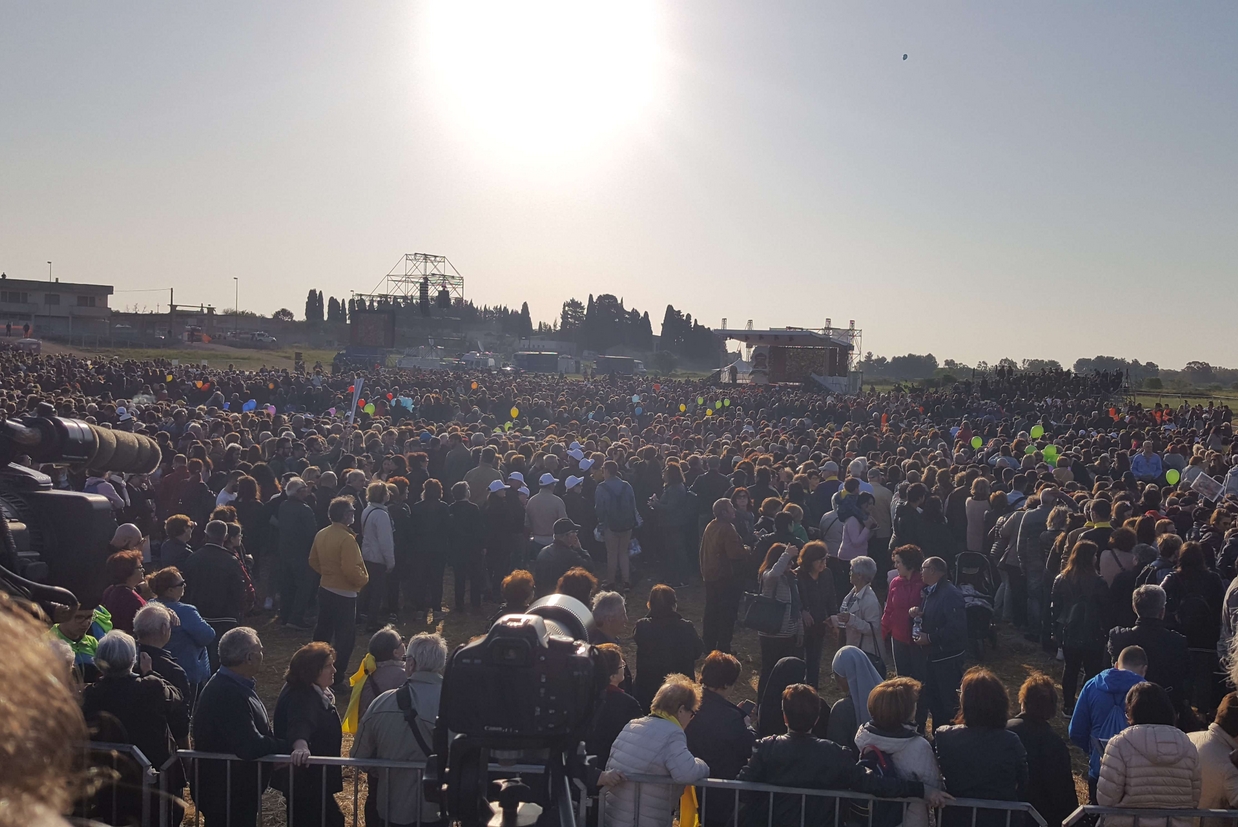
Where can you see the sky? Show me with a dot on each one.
(1035, 180)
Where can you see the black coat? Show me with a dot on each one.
(165, 666)
(229, 718)
(981, 762)
(467, 531)
(664, 646)
(301, 714)
(612, 715)
(431, 524)
(1167, 655)
(215, 583)
(800, 760)
(553, 562)
(151, 711)
(1050, 784)
(945, 620)
(719, 737)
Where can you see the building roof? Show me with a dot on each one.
(794, 337)
(55, 286)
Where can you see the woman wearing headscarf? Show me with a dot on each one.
(786, 672)
(855, 675)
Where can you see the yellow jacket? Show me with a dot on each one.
(337, 558)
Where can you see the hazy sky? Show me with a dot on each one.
(1036, 179)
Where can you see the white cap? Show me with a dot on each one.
(572, 482)
(546, 479)
(586, 464)
(516, 475)
(523, 490)
(575, 446)
(496, 485)
(576, 454)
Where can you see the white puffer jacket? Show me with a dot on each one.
(650, 746)
(1150, 765)
(912, 756)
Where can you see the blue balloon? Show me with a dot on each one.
(638, 410)
(226, 404)
(250, 405)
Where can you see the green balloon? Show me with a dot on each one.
(1031, 449)
(976, 442)
(700, 400)
(1037, 431)
(1050, 452)
(1172, 476)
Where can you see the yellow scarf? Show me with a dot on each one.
(368, 665)
(689, 815)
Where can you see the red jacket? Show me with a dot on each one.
(904, 595)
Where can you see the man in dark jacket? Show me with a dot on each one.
(214, 581)
(1168, 659)
(297, 527)
(708, 487)
(554, 560)
(467, 541)
(231, 719)
(152, 629)
(943, 632)
(800, 759)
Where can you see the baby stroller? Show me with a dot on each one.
(973, 574)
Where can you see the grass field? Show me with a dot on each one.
(215, 355)
(1013, 661)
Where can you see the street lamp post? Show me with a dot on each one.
(236, 305)
(49, 271)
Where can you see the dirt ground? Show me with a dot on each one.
(1013, 661)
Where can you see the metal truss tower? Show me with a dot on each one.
(403, 285)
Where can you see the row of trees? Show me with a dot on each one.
(604, 323)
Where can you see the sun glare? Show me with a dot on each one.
(543, 77)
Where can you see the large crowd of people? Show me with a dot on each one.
(892, 534)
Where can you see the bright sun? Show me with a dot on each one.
(543, 77)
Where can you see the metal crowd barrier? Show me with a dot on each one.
(358, 765)
(114, 751)
(191, 760)
(735, 788)
(1146, 815)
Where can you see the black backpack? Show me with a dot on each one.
(1121, 589)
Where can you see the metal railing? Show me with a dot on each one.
(193, 758)
(735, 788)
(1146, 815)
(842, 801)
(114, 787)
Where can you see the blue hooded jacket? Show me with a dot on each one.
(1096, 702)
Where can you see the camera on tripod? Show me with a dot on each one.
(53, 544)
(525, 693)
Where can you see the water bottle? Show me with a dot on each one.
(916, 626)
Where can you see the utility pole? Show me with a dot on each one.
(49, 271)
(236, 305)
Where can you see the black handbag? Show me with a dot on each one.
(762, 614)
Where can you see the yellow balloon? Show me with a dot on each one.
(515, 412)
(682, 407)
(709, 412)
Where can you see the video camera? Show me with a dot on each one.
(525, 693)
(53, 544)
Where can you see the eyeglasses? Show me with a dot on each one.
(176, 584)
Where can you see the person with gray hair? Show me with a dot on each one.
(610, 623)
(230, 718)
(152, 629)
(151, 713)
(860, 613)
(943, 634)
(385, 733)
(1168, 654)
